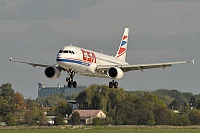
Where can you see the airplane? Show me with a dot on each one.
(76, 60)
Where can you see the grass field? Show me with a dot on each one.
(104, 130)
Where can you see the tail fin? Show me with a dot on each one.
(121, 53)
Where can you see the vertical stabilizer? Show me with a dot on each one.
(121, 53)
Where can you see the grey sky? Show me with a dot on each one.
(160, 31)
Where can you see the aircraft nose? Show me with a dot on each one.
(58, 57)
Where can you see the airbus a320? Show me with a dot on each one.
(76, 60)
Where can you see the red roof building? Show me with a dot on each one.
(87, 116)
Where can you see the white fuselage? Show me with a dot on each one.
(85, 62)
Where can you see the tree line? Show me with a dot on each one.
(121, 107)
(15, 110)
(142, 108)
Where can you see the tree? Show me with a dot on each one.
(198, 103)
(126, 112)
(107, 121)
(193, 101)
(175, 119)
(1, 119)
(75, 118)
(11, 104)
(7, 99)
(140, 108)
(169, 95)
(7, 92)
(59, 120)
(162, 116)
(10, 120)
(34, 114)
(185, 119)
(179, 119)
(53, 100)
(175, 105)
(19, 101)
(63, 108)
(97, 121)
(194, 117)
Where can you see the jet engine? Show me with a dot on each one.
(115, 73)
(52, 72)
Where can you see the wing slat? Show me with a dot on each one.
(30, 63)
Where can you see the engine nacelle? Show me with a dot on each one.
(52, 72)
(115, 73)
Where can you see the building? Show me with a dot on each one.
(46, 91)
(87, 116)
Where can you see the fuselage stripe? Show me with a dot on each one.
(73, 61)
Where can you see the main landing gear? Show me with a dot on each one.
(69, 79)
(113, 83)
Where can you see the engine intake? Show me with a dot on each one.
(115, 73)
(52, 72)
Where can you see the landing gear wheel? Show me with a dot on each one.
(110, 84)
(115, 84)
(69, 84)
(69, 79)
(74, 84)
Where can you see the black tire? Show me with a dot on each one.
(74, 84)
(69, 84)
(110, 84)
(115, 84)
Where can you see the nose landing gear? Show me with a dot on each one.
(113, 83)
(69, 79)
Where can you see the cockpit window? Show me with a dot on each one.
(65, 51)
(68, 51)
(60, 51)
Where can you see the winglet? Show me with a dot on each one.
(11, 58)
(193, 61)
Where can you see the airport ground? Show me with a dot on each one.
(100, 129)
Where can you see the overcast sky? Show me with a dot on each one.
(160, 31)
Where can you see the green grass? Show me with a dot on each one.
(103, 130)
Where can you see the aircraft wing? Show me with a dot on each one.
(141, 67)
(30, 63)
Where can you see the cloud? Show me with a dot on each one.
(46, 9)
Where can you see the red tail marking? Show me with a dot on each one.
(121, 50)
(124, 37)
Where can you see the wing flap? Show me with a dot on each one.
(141, 67)
(144, 66)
